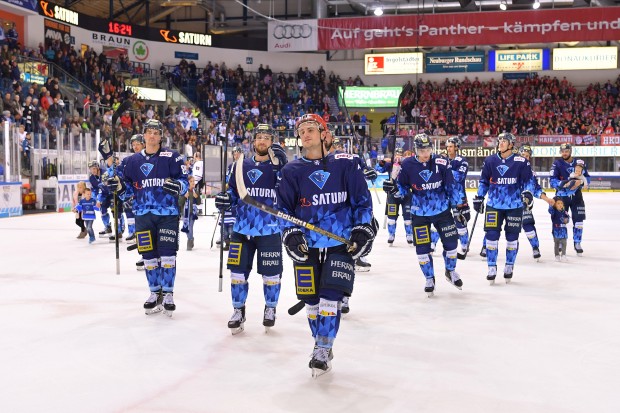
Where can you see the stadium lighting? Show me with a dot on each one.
(379, 11)
(536, 5)
(502, 5)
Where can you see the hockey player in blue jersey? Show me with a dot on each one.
(255, 231)
(156, 180)
(328, 191)
(528, 202)
(504, 177)
(94, 178)
(396, 200)
(113, 164)
(228, 217)
(459, 167)
(429, 180)
(137, 144)
(568, 176)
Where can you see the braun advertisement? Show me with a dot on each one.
(370, 97)
(580, 58)
(524, 60)
(454, 62)
(393, 63)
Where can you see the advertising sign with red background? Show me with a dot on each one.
(465, 29)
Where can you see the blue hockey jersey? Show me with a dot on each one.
(431, 185)
(504, 180)
(459, 167)
(260, 181)
(95, 181)
(560, 173)
(146, 174)
(335, 198)
(87, 208)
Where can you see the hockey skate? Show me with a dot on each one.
(578, 249)
(113, 238)
(140, 265)
(483, 252)
(131, 239)
(391, 240)
(269, 318)
(106, 232)
(508, 273)
(361, 265)
(410, 240)
(320, 362)
(563, 258)
(491, 275)
(226, 245)
(344, 309)
(454, 279)
(429, 288)
(169, 305)
(536, 254)
(557, 258)
(237, 321)
(153, 304)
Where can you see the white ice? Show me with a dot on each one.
(75, 337)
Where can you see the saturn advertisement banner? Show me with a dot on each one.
(470, 29)
(454, 62)
(292, 36)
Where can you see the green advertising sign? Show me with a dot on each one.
(370, 97)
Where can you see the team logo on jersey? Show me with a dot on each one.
(570, 170)
(254, 174)
(304, 280)
(146, 168)
(319, 178)
(426, 175)
(502, 169)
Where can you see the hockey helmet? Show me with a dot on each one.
(399, 152)
(566, 146)
(422, 141)
(93, 164)
(506, 136)
(525, 148)
(137, 138)
(312, 118)
(265, 129)
(237, 149)
(455, 141)
(153, 124)
(337, 143)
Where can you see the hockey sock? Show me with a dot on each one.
(463, 237)
(131, 225)
(449, 258)
(327, 323)
(391, 227)
(491, 253)
(512, 247)
(151, 267)
(484, 242)
(408, 228)
(577, 232)
(168, 273)
(434, 237)
(271, 289)
(238, 289)
(312, 312)
(533, 238)
(105, 218)
(426, 264)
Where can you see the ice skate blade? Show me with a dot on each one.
(140, 268)
(237, 330)
(168, 313)
(362, 269)
(319, 372)
(430, 294)
(155, 310)
(580, 254)
(508, 280)
(491, 282)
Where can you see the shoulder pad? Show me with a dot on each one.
(580, 162)
(343, 155)
(458, 158)
(166, 154)
(519, 159)
(441, 161)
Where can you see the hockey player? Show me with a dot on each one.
(95, 183)
(505, 176)
(528, 217)
(460, 167)
(396, 199)
(157, 180)
(255, 230)
(190, 215)
(137, 144)
(568, 176)
(113, 170)
(328, 191)
(427, 177)
(228, 217)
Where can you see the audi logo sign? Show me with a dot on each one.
(293, 35)
(292, 31)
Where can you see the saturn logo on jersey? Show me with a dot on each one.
(146, 168)
(149, 183)
(319, 178)
(254, 174)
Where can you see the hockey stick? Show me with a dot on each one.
(223, 171)
(296, 308)
(215, 229)
(473, 227)
(242, 191)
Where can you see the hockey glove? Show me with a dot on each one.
(361, 237)
(479, 204)
(172, 187)
(370, 174)
(128, 204)
(295, 244)
(105, 148)
(223, 201)
(462, 214)
(277, 156)
(528, 200)
(115, 184)
(390, 187)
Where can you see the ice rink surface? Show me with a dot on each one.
(75, 337)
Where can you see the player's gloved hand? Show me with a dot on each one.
(370, 174)
(277, 155)
(479, 204)
(223, 201)
(295, 244)
(528, 200)
(128, 203)
(462, 214)
(115, 184)
(390, 187)
(361, 237)
(105, 149)
(172, 187)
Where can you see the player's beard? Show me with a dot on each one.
(566, 157)
(261, 152)
(328, 145)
